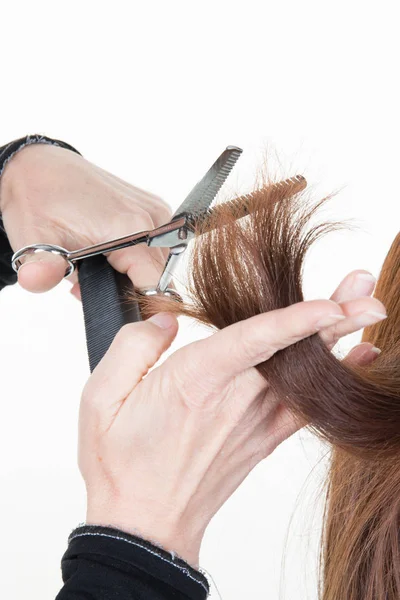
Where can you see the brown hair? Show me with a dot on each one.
(240, 268)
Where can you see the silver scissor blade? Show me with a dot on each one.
(208, 187)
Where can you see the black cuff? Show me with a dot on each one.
(137, 560)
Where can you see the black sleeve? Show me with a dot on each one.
(103, 563)
(7, 274)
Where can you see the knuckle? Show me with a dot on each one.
(135, 335)
(255, 345)
(159, 211)
(164, 214)
(126, 335)
(144, 218)
(330, 337)
(193, 379)
(89, 398)
(162, 206)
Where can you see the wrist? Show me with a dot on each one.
(171, 536)
(12, 172)
(24, 169)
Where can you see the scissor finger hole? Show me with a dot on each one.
(32, 253)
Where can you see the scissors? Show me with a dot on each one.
(102, 286)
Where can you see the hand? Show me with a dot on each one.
(160, 453)
(51, 195)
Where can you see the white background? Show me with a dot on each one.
(153, 91)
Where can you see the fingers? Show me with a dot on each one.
(359, 313)
(41, 272)
(278, 423)
(281, 425)
(362, 354)
(352, 295)
(142, 264)
(355, 284)
(135, 349)
(76, 291)
(252, 341)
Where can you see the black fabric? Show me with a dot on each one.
(103, 563)
(7, 274)
(104, 308)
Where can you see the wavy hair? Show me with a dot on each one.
(242, 267)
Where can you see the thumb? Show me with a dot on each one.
(135, 349)
(41, 271)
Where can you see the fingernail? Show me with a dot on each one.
(361, 286)
(366, 277)
(328, 321)
(369, 317)
(376, 350)
(163, 320)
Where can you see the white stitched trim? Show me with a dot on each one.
(213, 585)
(114, 537)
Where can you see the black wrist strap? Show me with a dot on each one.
(8, 151)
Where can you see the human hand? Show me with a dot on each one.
(160, 453)
(52, 195)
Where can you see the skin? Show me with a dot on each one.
(161, 451)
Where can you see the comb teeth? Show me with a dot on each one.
(295, 179)
(240, 206)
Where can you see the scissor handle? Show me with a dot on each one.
(18, 257)
(104, 310)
